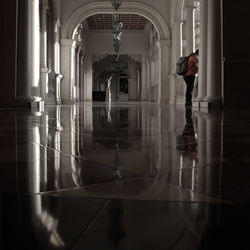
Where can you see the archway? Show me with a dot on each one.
(142, 9)
(160, 57)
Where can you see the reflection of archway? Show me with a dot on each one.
(105, 8)
(125, 82)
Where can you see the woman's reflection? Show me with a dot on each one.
(117, 161)
(187, 142)
(187, 146)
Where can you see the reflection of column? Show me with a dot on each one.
(213, 153)
(35, 174)
(202, 52)
(214, 60)
(176, 53)
(67, 70)
(163, 70)
(44, 153)
(201, 153)
(190, 29)
(88, 118)
(28, 88)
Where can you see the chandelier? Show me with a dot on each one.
(116, 4)
(117, 25)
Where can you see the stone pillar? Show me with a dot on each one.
(176, 54)
(57, 26)
(144, 87)
(190, 44)
(67, 61)
(148, 79)
(88, 78)
(28, 88)
(77, 77)
(43, 59)
(202, 74)
(132, 82)
(214, 58)
(163, 71)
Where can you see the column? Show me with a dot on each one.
(59, 76)
(132, 82)
(144, 80)
(163, 71)
(190, 44)
(88, 78)
(214, 58)
(82, 80)
(148, 79)
(77, 82)
(57, 30)
(202, 74)
(176, 54)
(43, 60)
(67, 69)
(28, 71)
(152, 78)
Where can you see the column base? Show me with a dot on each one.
(33, 102)
(211, 102)
(58, 88)
(67, 101)
(163, 100)
(196, 104)
(44, 80)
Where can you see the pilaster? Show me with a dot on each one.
(190, 44)
(214, 59)
(67, 54)
(164, 48)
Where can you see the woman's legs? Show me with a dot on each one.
(189, 80)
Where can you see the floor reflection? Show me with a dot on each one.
(124, 176)
(84, 223)
(70, 147)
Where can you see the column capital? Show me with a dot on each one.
(59, 76)
(45, 5)
(164, 43)
(178, 22)
(45, 70)
(57, 22)
(189, 8)
(68, 42)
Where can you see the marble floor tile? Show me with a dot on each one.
(140, 176)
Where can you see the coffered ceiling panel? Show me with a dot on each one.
(105, 21)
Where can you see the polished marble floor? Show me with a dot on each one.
(125, 176)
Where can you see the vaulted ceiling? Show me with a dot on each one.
(105, 21)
